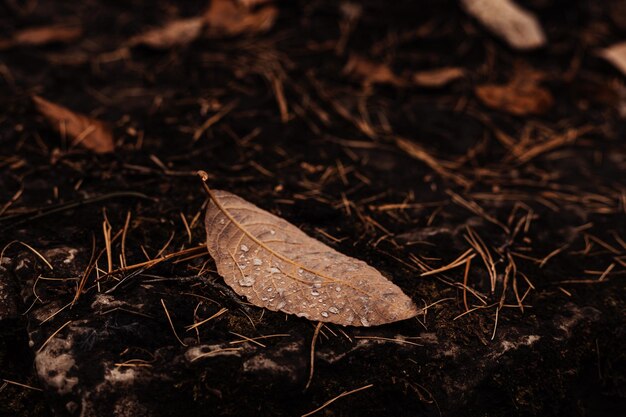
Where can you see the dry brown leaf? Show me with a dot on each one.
(506, 19)
(43, 35)
(174, 33)
(370, 72)
(436, 78)
(277, 266)
(616, 55)
(84, 131)
(232, 18)
(222, 18)
(523, 95)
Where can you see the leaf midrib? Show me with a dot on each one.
(277, 254)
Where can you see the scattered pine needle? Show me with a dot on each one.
(106, 230)
(495, 325)
(152, 262)
(477, 243)
(254, 339)
(124, 231)
(465, 277)
(196, 325)
(187, 228)
(437, 302)
(552, 255)
(214, 119)
(167, 313)
(52, 336)
(134, 363)
(39, 255)
(388, 339)
(312, 363)
(90, 266)
(471, 310)
(216, 352)
(51, 316)
(248, 339)
(343, 394)
(8, 381)
(454, 264)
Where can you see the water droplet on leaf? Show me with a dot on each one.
(246, 281)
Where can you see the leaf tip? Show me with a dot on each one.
(403, 310)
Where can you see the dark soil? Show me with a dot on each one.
(331, 164)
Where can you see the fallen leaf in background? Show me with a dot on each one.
(43, 35)
(174, 33)
(222, 18)
(439, 77)
(369, 72)
(277, 266)
(82, 130)
(522, 95)
(616, 55)
(232, 18)
(506, 19)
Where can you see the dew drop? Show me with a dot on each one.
(270, 289)
(244, 248)
(274, 270)
(300, 271)
(280, 305)
(333, 310)
(315, 293)
(272, 232)
(364, 322)
(222, 221)
(264, 298)
(317, 285)
(246, 281)
(338, 289)
(257, 262)
(324, 314)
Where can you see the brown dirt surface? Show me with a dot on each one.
(506, 228)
